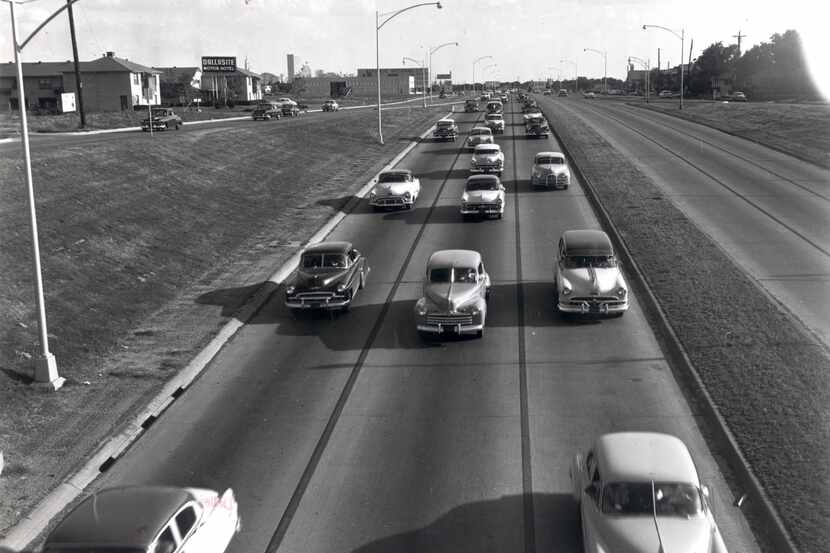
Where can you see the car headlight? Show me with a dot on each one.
(373, 193)
(407, 194)
(421, 307)
(499, 201)
(290, 291)
(621, 292)
(465, 197)
(342, 288)
(566, 287)
(470, 310)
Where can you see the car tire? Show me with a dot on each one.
(480, 333)
(362, 284)
(167, 126)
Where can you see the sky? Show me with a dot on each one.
(527, 39)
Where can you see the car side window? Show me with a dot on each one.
(185, 520)
(166, 543)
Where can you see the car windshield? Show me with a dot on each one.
(392, 177)
(595, 261)
(482, 184)
(480, 132)
(494, 117)
(441, 275)
(457, 274)
(324, 260)
(550, 161)
(445, 124)
(635, 498)
(487, 151)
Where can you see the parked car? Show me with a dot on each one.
(487, 158)
(536, 126)
(471, 106)
(479, 135)
(328, 278)
(588, 277)
(551, 170)
(266, 112)
(163, 119)
(640, 492)
(665, 94)
(456, 289)
(331, 105)
(547, 92)
(495, 122)
(445, 129)
(154, 519)
(397, 188)
(290, 109)
(589, 96)
(286, 100)
(739, 97)
(483, 196)
(562, 92)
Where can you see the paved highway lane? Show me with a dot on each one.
(353, 434)
(769, 211)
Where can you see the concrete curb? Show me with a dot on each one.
(34, 523)
(758, 502)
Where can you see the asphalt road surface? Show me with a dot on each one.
(351, 434)
(769, 211)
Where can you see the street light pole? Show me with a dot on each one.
(483, 87)
(604, 55)
(378, 26)
(682, 37)
(423, 76)
(647, 66)
(474, 70)
(429, 70)
(576, 73)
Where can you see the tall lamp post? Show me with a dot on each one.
(647, 66)
(45, 364)
(429, 70)
(386, 17)
(604, 55)
(681, 36)
(576, 73)
(491, 66)
(474, 70)
(423, 75)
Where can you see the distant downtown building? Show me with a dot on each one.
(290, 71)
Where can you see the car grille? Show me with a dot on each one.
(320, 296)
(610, 300)
(449, 319)
(389, 200)
(481, 206)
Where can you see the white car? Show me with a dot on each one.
(534, 113)
(550, 169)
(155, 519)
(483, 195)
(285, 100)
(639, 492)
(487, 158)
(479, 135)
(495, 122)
(397, 188)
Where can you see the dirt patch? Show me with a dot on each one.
(148, 246)
(764, 371)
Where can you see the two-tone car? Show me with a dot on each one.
(639, 492)
(495, 122)
(487, 158)
(330, 105)
(328, 277)
(588, 278)
(536, 126)
(456, 289)
(445, 129)
(550, 169)
(395, 188)
(161, 119)
(479, 135)
(148, 519)
(471, 106)
(494, 106)
(483, 196)
(266, 112)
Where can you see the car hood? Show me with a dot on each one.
(551, 169)
(480, 139)
(319, 279)
(637, 534)
(592, 281)
(489, 158)
(445, 296)
(392, 188)
(482, 196)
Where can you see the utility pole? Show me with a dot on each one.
(739, 36)
(79, 85)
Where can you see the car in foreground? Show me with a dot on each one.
(445, 129)
(266, 112)
(562, 93)
(588, 277)
(330, 105)
(396, 188)
(536, 126)
(162, 119)
(487, 158)
(639, 492)
(479, 135)
(495, 122)
(328, 278)
(550, 169)
(483, 196)
(456, 289)
(154, 519)
(471, 106)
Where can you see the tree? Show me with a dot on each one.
(776, 69)
(716, 63)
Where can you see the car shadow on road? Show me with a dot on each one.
(350, 204)
(416, 139)
(443, 151)
(445, 174)
(441, 214)
(231, 300)
(494, 525)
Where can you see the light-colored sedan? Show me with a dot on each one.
(398, 188)
(550, 169)
(639, 492)
(483, 195)
(152, 519)
(487, 158)
(495, 122)
(479, 135)
(588, 278)
(456, 289)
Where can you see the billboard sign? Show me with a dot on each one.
(444, 76)
(412, 84)
(218, 64)
(67, 101)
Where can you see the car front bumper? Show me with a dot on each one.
(390, 201)
(486, 168)
(588, 307)
(157, 126)
(450, 328)
(551, 181)
(335, 302)
(482, 209)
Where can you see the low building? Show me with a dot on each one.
(241, 86)
(394, 82)
(180, 86)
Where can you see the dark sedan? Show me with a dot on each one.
(329, 276)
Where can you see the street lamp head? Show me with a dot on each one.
(644, 27)
(438, 4)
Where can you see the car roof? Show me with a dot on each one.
(454, 258)
(446, 120)
(405, 172)
(128, 516)
(329, 247)
(587, 242)
(482, 178)
(644, 456)
(487, 147)
(482, 129)
(549, 154)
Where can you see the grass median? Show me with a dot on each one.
(149, 245)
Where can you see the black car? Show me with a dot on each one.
(290, 110)
(162, 119)
(471, 106)
(266, 112)
(329, 276)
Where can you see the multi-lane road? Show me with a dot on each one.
(353, 434)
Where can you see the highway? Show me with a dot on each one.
(351, 434)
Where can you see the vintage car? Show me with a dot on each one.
(290, 109)
(285, 100)
(445, 129)
(397, 188)
(266, 112)
(479, 135)
(495, 122)
(546, 92)
(739, 97)
(162, 119)
(551, 170)
(537, 126)
(533, 113)
(530, 106)
(562, 92)
(471, 106)
(329, 276)
(589, 96)
(494, 106)
(639, 492)
(148, 519)
(456, 290)
(588, 278)
(483, 195)
(665, 94)
(487, 158)
(330, 105)
(504, 98)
